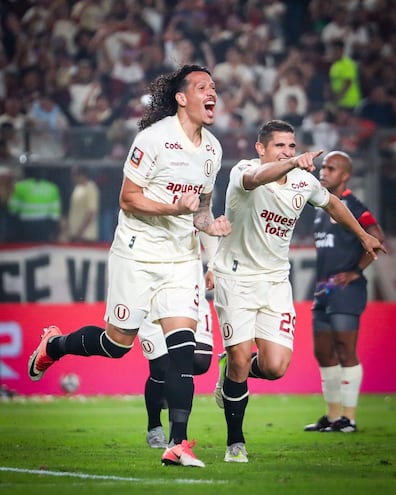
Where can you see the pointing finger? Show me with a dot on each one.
(315, 154)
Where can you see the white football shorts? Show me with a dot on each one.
(152, 339)
(162, 289)
(255, 309)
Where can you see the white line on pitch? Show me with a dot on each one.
(106, 477)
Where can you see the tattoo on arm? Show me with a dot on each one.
(203, 217)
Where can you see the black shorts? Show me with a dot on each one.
(340, 308)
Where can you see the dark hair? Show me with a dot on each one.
(338, 43)
(266, 130)
(162, 94)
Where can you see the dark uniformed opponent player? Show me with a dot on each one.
(340, 298)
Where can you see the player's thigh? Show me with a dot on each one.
(235, 312)
(204, 331)
(178, 294)
(276, 320)
(348, 300)
(129, 292)
(345, 344)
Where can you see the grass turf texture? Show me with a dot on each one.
(105, 437)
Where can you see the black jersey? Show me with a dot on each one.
(338, 249)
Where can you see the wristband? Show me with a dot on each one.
(358, 270)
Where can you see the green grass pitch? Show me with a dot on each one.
(96, 445)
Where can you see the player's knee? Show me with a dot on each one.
(275, 369)
(112, 348)
(202, 357)
(324, 357)
(179, 339)
(201, 362)
(181, 346)
(273, 374)
(158, 367)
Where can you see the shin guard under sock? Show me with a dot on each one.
(154, 391)
(88, 341)
(235, 396)
(179, 384)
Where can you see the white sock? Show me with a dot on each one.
(331, 383)
(351, 379)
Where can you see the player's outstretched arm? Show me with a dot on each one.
(273, 171)
(345, 278)
(340, 213)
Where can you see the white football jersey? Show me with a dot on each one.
(165, 163)
(263, 221)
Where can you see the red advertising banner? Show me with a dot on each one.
(21, 326)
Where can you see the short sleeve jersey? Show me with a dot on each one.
(165, 163)
(338, 249)
(263, 221)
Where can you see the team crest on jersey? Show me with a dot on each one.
(208, 168)
(227, 331)
(147, 346)
(121, 312)
(298, 201)
(136, 157)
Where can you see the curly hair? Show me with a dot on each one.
(162, 94)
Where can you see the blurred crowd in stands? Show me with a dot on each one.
(73, 77)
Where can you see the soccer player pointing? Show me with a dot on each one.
(253, 297)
